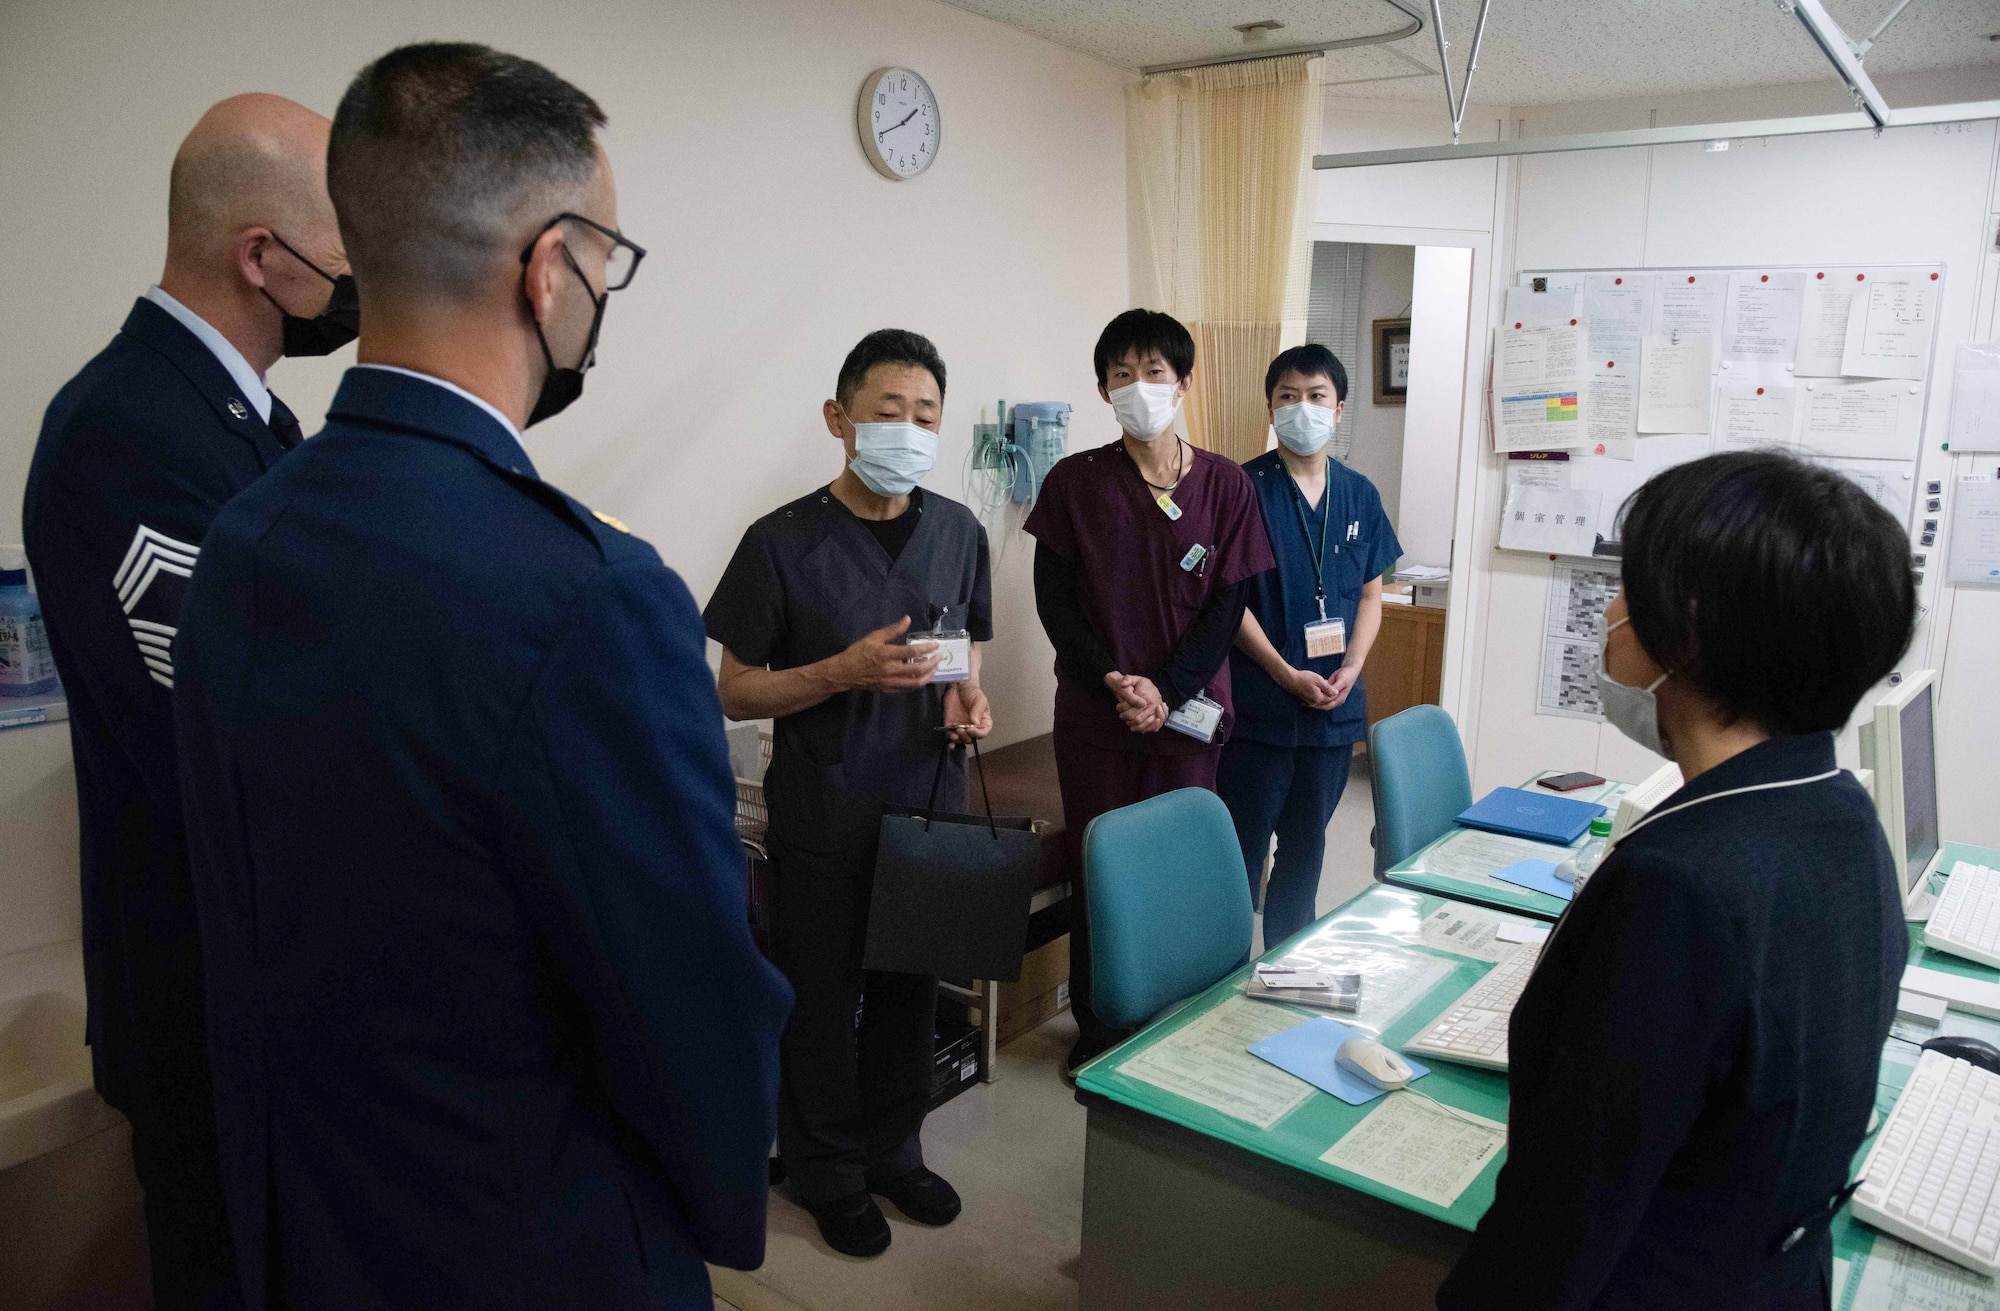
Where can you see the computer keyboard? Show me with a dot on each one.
(1967, 919)
(1929, 1177)
(1473, 1029)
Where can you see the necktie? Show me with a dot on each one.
(285, 425)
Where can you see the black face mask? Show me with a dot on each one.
(561, 387)
(333, 327)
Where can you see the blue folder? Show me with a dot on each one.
(1524, 814)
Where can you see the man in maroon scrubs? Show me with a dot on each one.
(1142, 550)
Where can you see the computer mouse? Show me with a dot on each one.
(1980, 1052)
(1373, 1064)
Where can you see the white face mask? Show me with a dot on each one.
(1304, 428)
(890, 457)
(1633, 711)
(1146, 409)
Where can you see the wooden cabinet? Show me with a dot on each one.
(1406, 667)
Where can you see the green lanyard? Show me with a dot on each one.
(1326, 515)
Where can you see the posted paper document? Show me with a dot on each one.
(1751, 415)
(1209, 1062)
(1975, 398)
(1975, 532)
(1888, 482)
(1762, 322)
(1536, 391)
(1674, 373)
(1616, 312)
(1889, 327)
(1823, 324)
(1860, 420)
(1573, 617)
(1417, 1148)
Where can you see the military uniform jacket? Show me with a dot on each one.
(136, 455)
(488, 1026)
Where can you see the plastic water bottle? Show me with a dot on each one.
(26, 667)
(1578, 868)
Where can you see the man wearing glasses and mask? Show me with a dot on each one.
(487, 1022)
(136, 455)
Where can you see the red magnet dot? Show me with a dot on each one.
(1933, 277)
(1765, 278)
(1760, 391)
(1617, 282)
(1819, 275)
(1611, 364)
(1690, 279)
(1517, 325)
(1859, 276)
(1572, 323)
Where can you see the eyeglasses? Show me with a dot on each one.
(619, 267)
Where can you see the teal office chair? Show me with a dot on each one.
(1421, 783)
(1169, 903)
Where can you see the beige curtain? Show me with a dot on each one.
(1222, 197)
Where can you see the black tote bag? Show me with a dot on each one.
(952, 891)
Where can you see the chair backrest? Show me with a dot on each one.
(1420, 780)
(1169, 903)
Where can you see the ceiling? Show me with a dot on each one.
(1536, 52)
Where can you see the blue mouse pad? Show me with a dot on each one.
(1536, 876)
(1308, 1049)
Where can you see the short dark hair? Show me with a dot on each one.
(886, 346)
(1311, 360)
(1141, 333)
(1776, 587)
(441, 153)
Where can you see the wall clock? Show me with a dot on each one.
(897, 117)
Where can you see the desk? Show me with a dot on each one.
(1185, 1206)
(1415, 872)
(1854, 1242)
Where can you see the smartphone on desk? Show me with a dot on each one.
(1569, 782)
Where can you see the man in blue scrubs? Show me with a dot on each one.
(1305, 635)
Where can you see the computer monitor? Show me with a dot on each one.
(1899, 742)
(1640, 801)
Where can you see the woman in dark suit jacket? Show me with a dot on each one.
(1693, 1063)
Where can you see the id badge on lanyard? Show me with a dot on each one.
(1324, 637)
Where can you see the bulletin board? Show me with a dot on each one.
(1600, 378)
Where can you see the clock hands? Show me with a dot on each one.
(887, 130)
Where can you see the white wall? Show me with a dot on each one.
(1378, 429)
(1915, 195)
(1431, 433)
(773, 245)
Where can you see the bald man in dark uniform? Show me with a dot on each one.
(136, 455)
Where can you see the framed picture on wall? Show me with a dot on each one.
(1392, 361)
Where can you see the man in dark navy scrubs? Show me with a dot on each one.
(1307, 631)
(822, 616)
(137, 453)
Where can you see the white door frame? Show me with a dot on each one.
(1459, 692)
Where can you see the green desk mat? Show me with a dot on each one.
(1854, 1241)
(1394, 916)
(1410, 872)
(1380, 916)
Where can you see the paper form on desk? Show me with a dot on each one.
(1473, 855)
(1674, 376)
(1466, 931)
(1418, 1148)
(1889, 328)
(1761, 325)
(1750, 415)
(1823, 327)
(1209, 1062)
(1536, 390)
(1898, 1277)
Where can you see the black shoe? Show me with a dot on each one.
(921, 1196)
(853, 1225)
